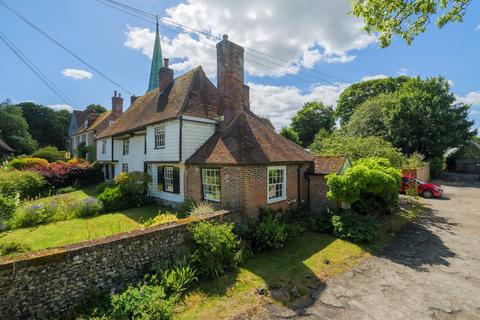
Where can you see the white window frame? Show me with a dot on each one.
(159, 134)
(208, 187)
(126, 150)
(125, 165)
(283, 184)
(104, 146)
(168, 180)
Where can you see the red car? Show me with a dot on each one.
(425, 189)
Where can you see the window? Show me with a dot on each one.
(211, 184)
(126, 146)
(125, 167)
(168, 179)
(160, 137)
(104, 146)
(276, 184)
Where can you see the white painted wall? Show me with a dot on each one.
(194, 135)
(172, 142)
(108, 152)
(167, 195)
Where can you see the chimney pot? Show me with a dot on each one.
(225, 37)
(165, 62)
(117, 103)
(115, 93)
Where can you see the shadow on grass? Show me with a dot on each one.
(140, 214)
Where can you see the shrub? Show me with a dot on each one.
(437, 166)
(269, 233)
(133, 183)
(321, 222)
(176, 276)
(26, 163)
(294, 229)
(66, 190)
(415, 160)
(26, 184)
(63, 174)
(102, 186)
(8, 205)
(217, 248)
(113, 199)
(369, 178)
(87, 207)
(353, 226)
(12, 247)
(161, 218)
(142, 302)
(51, 154)
(202, 209)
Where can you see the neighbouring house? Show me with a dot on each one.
(202, 142)
(324, 165)
(464, 159)
(85, 126)
(5, 149)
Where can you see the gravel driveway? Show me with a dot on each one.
(431, 271)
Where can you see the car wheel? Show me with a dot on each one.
(427, 194)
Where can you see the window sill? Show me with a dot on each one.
(211, 200)
(159, 148)
(275, 200)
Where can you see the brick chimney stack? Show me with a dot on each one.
(165, 75)
(230, 79)
(117, 103)
(132, 99)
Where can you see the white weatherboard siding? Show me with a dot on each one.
(167, 195)
(136, 156)
(194, 135)
(108, 152)
(172, 142)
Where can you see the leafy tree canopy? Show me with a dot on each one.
(310, 119)
(95, 108)
(358, 93)
(369, 118)
(14, 128)
(407, 18)
(47, 126)
(290, 134)
(356, 148)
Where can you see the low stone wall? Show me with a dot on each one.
(46, 284)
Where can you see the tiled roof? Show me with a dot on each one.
(190, 94)
(248, 140)
(100, 121)
(328, 164)
(5, 147)
(80, 116)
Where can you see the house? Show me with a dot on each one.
(85, 126)
(5, 149)
(202, 142)
(324, 165)
(464, 159)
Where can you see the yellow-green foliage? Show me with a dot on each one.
(373, 176)
(25, 163)
(162, 218)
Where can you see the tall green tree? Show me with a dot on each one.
(49, 127)
(358, 93)
(310, 119)
(14, 128)
(425, 118)
(290, 134)
(369, 118)
(95, 108)
(407, 18)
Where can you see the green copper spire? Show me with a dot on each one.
(157, 63)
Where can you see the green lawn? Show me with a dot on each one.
(305, 262)
(76, 230)
(77, 195)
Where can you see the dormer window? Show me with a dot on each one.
(160, 137)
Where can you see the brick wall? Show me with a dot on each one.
(46, 284)
(318, 194)
(245, 187)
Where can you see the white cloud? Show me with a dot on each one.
(373, 77)
(477, 28)
(58, 107)
(280, 103)
(402, 72)
(327, 33)
(451, 83)
(77, 74)
(472, 98)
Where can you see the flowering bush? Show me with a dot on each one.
(26, 163)
(63, 174)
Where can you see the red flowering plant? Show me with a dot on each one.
(61, 174)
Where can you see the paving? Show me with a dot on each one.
(430, 271)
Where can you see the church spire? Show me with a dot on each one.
(157, 62)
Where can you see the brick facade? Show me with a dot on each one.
(318, 194)
(245, 187)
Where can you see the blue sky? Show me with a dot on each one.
(312, 35)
